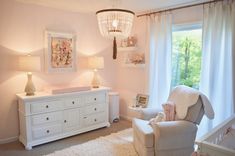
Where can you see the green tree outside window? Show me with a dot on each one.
(186, 58)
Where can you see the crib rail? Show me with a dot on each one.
(209, 143)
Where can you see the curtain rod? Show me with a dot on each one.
(182, 7)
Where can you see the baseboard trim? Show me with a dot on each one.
(8, 140)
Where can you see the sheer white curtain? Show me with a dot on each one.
(217, 61)
(160, 33)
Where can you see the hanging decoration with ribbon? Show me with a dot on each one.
(115, 24)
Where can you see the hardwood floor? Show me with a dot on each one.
(17, 149)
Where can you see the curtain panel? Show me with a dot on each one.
(218, 61)
(160, 34)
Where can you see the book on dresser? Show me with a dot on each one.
(46, 117)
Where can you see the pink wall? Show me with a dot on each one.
(132, 80)
(22, 29)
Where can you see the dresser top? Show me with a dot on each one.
(44, 94)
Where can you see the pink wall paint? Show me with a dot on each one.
(22, 29)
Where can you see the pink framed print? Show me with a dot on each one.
(60, 52)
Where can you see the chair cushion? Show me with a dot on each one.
(144, 132)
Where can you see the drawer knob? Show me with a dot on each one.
(95, 109)
(47, 118)
(84, 117)
(65, 121)
(73, 102)
(48, 131)
(47, 106)
(95, 99)
(95, 120)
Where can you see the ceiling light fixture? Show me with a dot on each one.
(115, 23)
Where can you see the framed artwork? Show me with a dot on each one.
(142, 100)
(60, 52)
(134, 59)
(131, 41)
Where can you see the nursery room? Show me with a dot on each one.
(117, 77)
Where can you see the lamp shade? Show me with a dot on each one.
(29, 63)
(115, 22)
(96, 62)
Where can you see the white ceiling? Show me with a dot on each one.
(91, 6)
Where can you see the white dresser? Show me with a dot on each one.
(46, 117)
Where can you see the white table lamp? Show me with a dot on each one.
(96, 63)
(29, 64)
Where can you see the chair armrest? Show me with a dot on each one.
(143, 131)
(148, 113)
(174, 134)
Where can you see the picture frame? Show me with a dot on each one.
(60, 52)
(142, 100)
(131, 41)
(134, 59)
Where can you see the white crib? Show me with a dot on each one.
(209, 143)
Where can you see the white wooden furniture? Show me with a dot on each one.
(135, 112)
(126, 49)
(210, 143)
(46, 117)
(113, 107)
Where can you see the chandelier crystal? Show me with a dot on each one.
(115, 23)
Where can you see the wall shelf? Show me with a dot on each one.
(135, 65)
(127, 48)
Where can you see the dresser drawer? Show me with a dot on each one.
(46, 118)
(93, 119)
(95, 97)
(93, 109)
(73, 102)
(46, 106)
(39, 133)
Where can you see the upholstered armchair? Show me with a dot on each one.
(167, 138)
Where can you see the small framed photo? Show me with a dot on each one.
(134, 58)
(60, 52)
(142, 100)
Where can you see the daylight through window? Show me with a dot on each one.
(186, 57)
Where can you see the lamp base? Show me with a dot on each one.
(95, 82)
(95, 87)
(30, 94)
(30, 88)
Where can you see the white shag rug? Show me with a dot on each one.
(116, 144)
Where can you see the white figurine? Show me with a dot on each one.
(160, 117)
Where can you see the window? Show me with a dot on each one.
(186, 55)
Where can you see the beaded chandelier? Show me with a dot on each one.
(115, 23)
